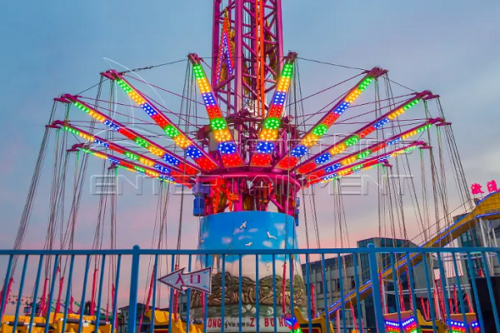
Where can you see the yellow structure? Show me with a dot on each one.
(161, 323)
(55, 324)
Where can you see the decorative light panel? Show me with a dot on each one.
(272, 122)
(170, 129)
(327, 121)
(218, 123)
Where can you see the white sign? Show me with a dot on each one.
(200, 280)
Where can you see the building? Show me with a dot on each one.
(335, 284)
(486, 233)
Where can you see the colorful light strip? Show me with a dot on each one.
(200, 157)
(409, 326)
(308, 167)
(270, 127)
(316, 132)
(225, 49)
(337, 171)
(171, 178)
(227, 147)
(136, 157)
(461, 327)
(170, 158)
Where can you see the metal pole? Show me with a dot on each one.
(134, 282)
(375, 288)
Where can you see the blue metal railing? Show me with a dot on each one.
(451, 290)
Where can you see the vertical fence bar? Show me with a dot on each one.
(472, 273)
(101, 288)
(153, 305)
(84, 291)
(325, 292)
(459, 286)
(379, 318)
(274, 295)
(115, 296)
(358, 301)
(308, 293)
(443, 278)
(342, 300)
(51, 293)
(290, 280)
(240, 288)
(411, 286)
(257, 290)
(188, 297)
(171, 298)
(205, 303)
(223, 294)
(395, 286)
(430, 295)
(20, 293)
(134, 282)
(490, 290)
(6, 285)
(35, 293)
(68, 292)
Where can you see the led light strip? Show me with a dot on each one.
(270, 127)
(309, 167)
(409, 326)
(170, 158)
(134, 167)
(227, 147)
(338, 171)
(136, 157)
(315, 133)
(225, 49)
(201, 158)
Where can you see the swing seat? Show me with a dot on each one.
(23, 324)
(318, 324)
(426, 326)
(161, 323)
(470, 318)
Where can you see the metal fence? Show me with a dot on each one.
(366, 289)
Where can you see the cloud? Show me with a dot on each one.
(253, 230)
(267, 243)
(227, 240)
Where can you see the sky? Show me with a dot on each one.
(49, 48)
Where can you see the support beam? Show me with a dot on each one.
(133, 167)
(312, 164)
(228, 149)
(131, 155)
(330, 172)
(140, 140)
(290, 159)
(181, 139)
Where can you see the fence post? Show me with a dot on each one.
(376, 288)
(134, 282)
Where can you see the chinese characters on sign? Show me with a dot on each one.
(476, 188)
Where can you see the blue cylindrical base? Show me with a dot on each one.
(249, 230)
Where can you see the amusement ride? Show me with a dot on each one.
(250, 152)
